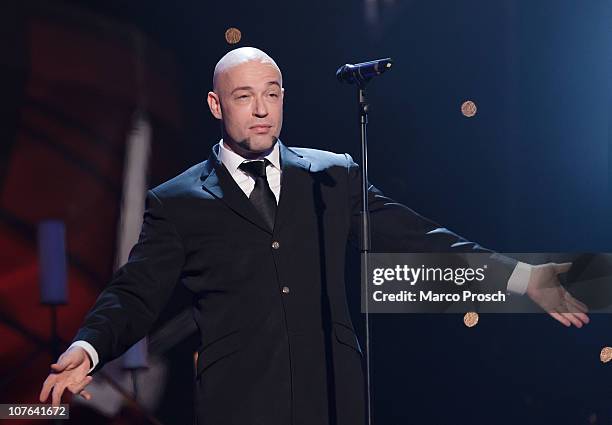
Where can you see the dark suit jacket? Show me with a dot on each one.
(267, 356)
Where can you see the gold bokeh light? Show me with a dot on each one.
(233, 35)
(470, 319)
(468, 109)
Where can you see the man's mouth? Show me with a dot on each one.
(261, 128)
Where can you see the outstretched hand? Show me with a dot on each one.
(546, 291)
(69, 372)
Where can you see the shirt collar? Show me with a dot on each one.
(232, 160)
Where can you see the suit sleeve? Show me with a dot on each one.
(395, 228)
(138, 291)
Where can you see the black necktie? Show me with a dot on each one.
(261, 197)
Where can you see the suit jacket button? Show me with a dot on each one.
(285, 289)
(275, 245)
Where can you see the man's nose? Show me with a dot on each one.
(260, 109)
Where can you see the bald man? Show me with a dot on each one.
(257, 233)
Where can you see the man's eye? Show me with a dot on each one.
(273, 95)
(244, 96)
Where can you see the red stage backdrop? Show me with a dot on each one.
(74, 82)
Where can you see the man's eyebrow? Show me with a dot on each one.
(242, 88)
(270, 83)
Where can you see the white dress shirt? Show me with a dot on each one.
(517, 283)
(232, 161)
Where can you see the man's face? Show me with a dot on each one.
(248, 98)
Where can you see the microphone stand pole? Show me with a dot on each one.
(361, 74)
(365, 245)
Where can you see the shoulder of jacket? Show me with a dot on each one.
(320, 158)
(180, 183)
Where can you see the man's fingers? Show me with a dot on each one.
(78, 387)
(576, 306)
(560, 318)
(575, 309)
(581, 307)
(56, 397)
(581, 317)
(562, 267)
(85, 394)
(46, 389)
(62, 374)
(585, 319)
(572, 318)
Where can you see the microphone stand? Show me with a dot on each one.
(361, 74)
(365, 245)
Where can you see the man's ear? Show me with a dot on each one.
(214, 104)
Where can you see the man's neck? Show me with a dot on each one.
(234, 147)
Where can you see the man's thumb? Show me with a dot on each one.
(562, 267)
(59, 366)
(66, 361)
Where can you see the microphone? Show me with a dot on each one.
(362, 72)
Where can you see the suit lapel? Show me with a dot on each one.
(218, 182)
(293, 185)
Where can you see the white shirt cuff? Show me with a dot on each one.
(519, 279)
(91, 352)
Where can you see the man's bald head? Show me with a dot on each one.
(248, 97)
(239, 56)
